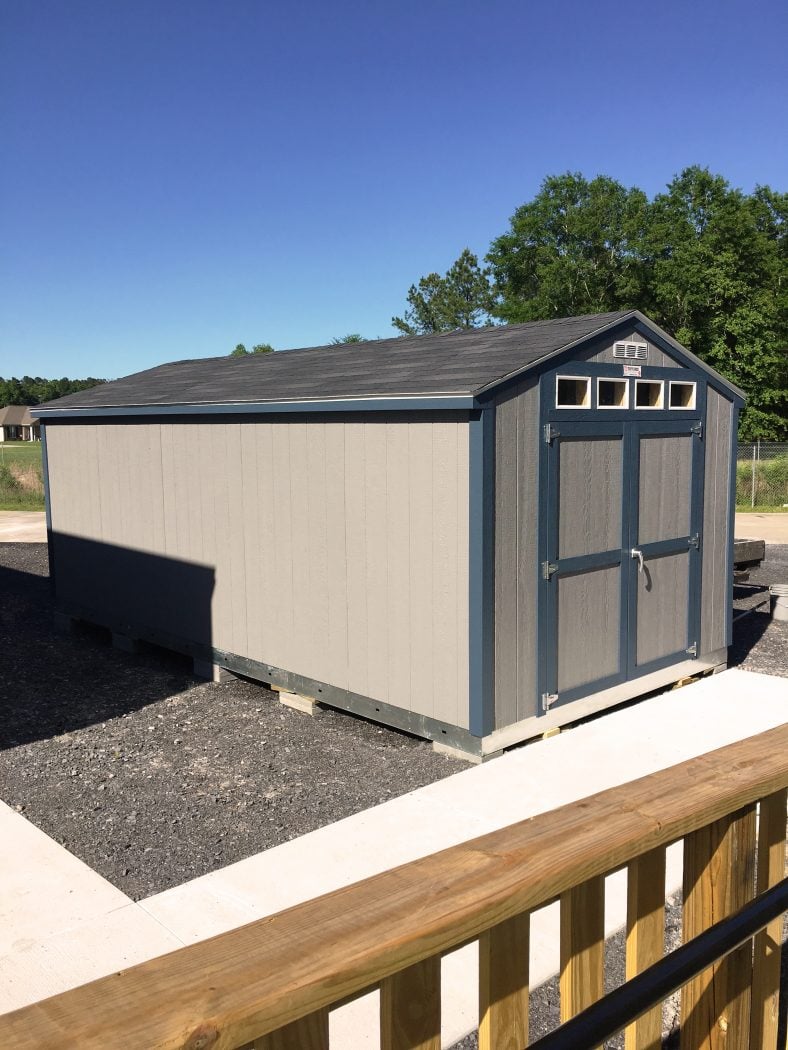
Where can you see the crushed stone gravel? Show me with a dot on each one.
(153, 777)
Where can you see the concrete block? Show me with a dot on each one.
(304, 704)
(212, 672)
(125, 643)
(455, 752)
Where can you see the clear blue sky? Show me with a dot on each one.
(178, 176)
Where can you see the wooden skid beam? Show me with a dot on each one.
(719, 878)
(503, 985)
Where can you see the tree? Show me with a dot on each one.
(259, 348)
(462, 298)
(353, 337)
(718, 276)
(31, 390)
(572, 250)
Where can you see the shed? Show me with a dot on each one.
(472, 536)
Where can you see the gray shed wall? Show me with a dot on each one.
(516, 552)
(717, 539)
(339, 550)
(657, 358)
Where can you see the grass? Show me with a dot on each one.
(745, 508)
(21, 477)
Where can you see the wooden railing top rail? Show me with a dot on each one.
(226, 991)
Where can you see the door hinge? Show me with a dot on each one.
(551, 431)
(548, 699)
(697, 428)
(548, 568)
(694, 541)
(692, 650)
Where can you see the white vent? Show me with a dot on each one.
(631, 351)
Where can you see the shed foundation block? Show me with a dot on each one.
(305, 704)
(212, 672)
(458, 753)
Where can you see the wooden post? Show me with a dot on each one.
(582, 946)
(308, 1033)
(503, 985)
(410, 1008)
(719, 869)
(766, 962)
(645, 938)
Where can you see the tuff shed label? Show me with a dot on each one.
(632, 370)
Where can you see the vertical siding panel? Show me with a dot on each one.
(421, 567)
(356, 558)
(398, 517)
(172, 542)
(248, 509)
(284, 551)
(377, 567)
(156, 481)
(506, 560)
(336, 556)
(303, 650)
(216, 478)
(528, 548)
(235, 544)
(715, 539)
(317, 552)
(463, 569)
(444, 580)
(271, 602)
(111, 521)
(186, 458)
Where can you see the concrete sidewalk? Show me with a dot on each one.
(773, 528)
(63, 924)
(23, 526)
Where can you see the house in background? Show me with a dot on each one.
(16, 424)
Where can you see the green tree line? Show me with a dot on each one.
(706, 261)
(31, 390)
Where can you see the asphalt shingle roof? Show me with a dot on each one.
(461, 362)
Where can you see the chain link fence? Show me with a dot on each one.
(762, 475)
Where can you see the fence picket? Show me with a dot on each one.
(410, 1008)
(718, 880)
(645, 938)
(766, 961)
(582, 979)
(503, 985)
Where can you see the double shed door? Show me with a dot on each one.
(620, 588)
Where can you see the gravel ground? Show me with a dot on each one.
(154, 778)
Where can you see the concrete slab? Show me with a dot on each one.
(23, 526)
(770, 527)
(61, 923)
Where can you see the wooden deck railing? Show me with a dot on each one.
(271, 984)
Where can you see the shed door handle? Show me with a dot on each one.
(635, 553)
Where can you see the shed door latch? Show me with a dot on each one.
(551, 431)
(692, 650)
(697, 428)
(548, 568)
(694, 541)
(548, 699)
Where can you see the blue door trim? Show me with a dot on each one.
(481, 583)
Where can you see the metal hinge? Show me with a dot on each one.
(548, 568)
(694, 541)
(697, 428)
(551, 431)
(548, 699)
(692, 650)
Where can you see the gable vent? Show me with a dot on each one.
(631, 351)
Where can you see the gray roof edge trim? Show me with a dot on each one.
(394, 403)
(718, 380)
(490, 387)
